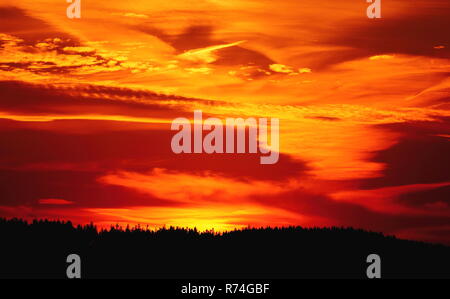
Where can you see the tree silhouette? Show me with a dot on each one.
(39, 249)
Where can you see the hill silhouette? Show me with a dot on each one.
(39, 250)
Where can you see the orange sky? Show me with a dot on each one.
(86, 106)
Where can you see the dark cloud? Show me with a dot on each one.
(135, 150)
(419, 157)
(438, 198)
(414, 32)
(325, 118)
(25, 188)
(196, 37)
(35, 99)
(18, 23)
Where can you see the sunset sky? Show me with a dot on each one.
(86, 107)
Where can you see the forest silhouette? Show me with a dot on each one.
(39, 250)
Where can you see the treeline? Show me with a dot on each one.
(40, 248)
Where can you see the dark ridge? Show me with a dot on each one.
(39, 250)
